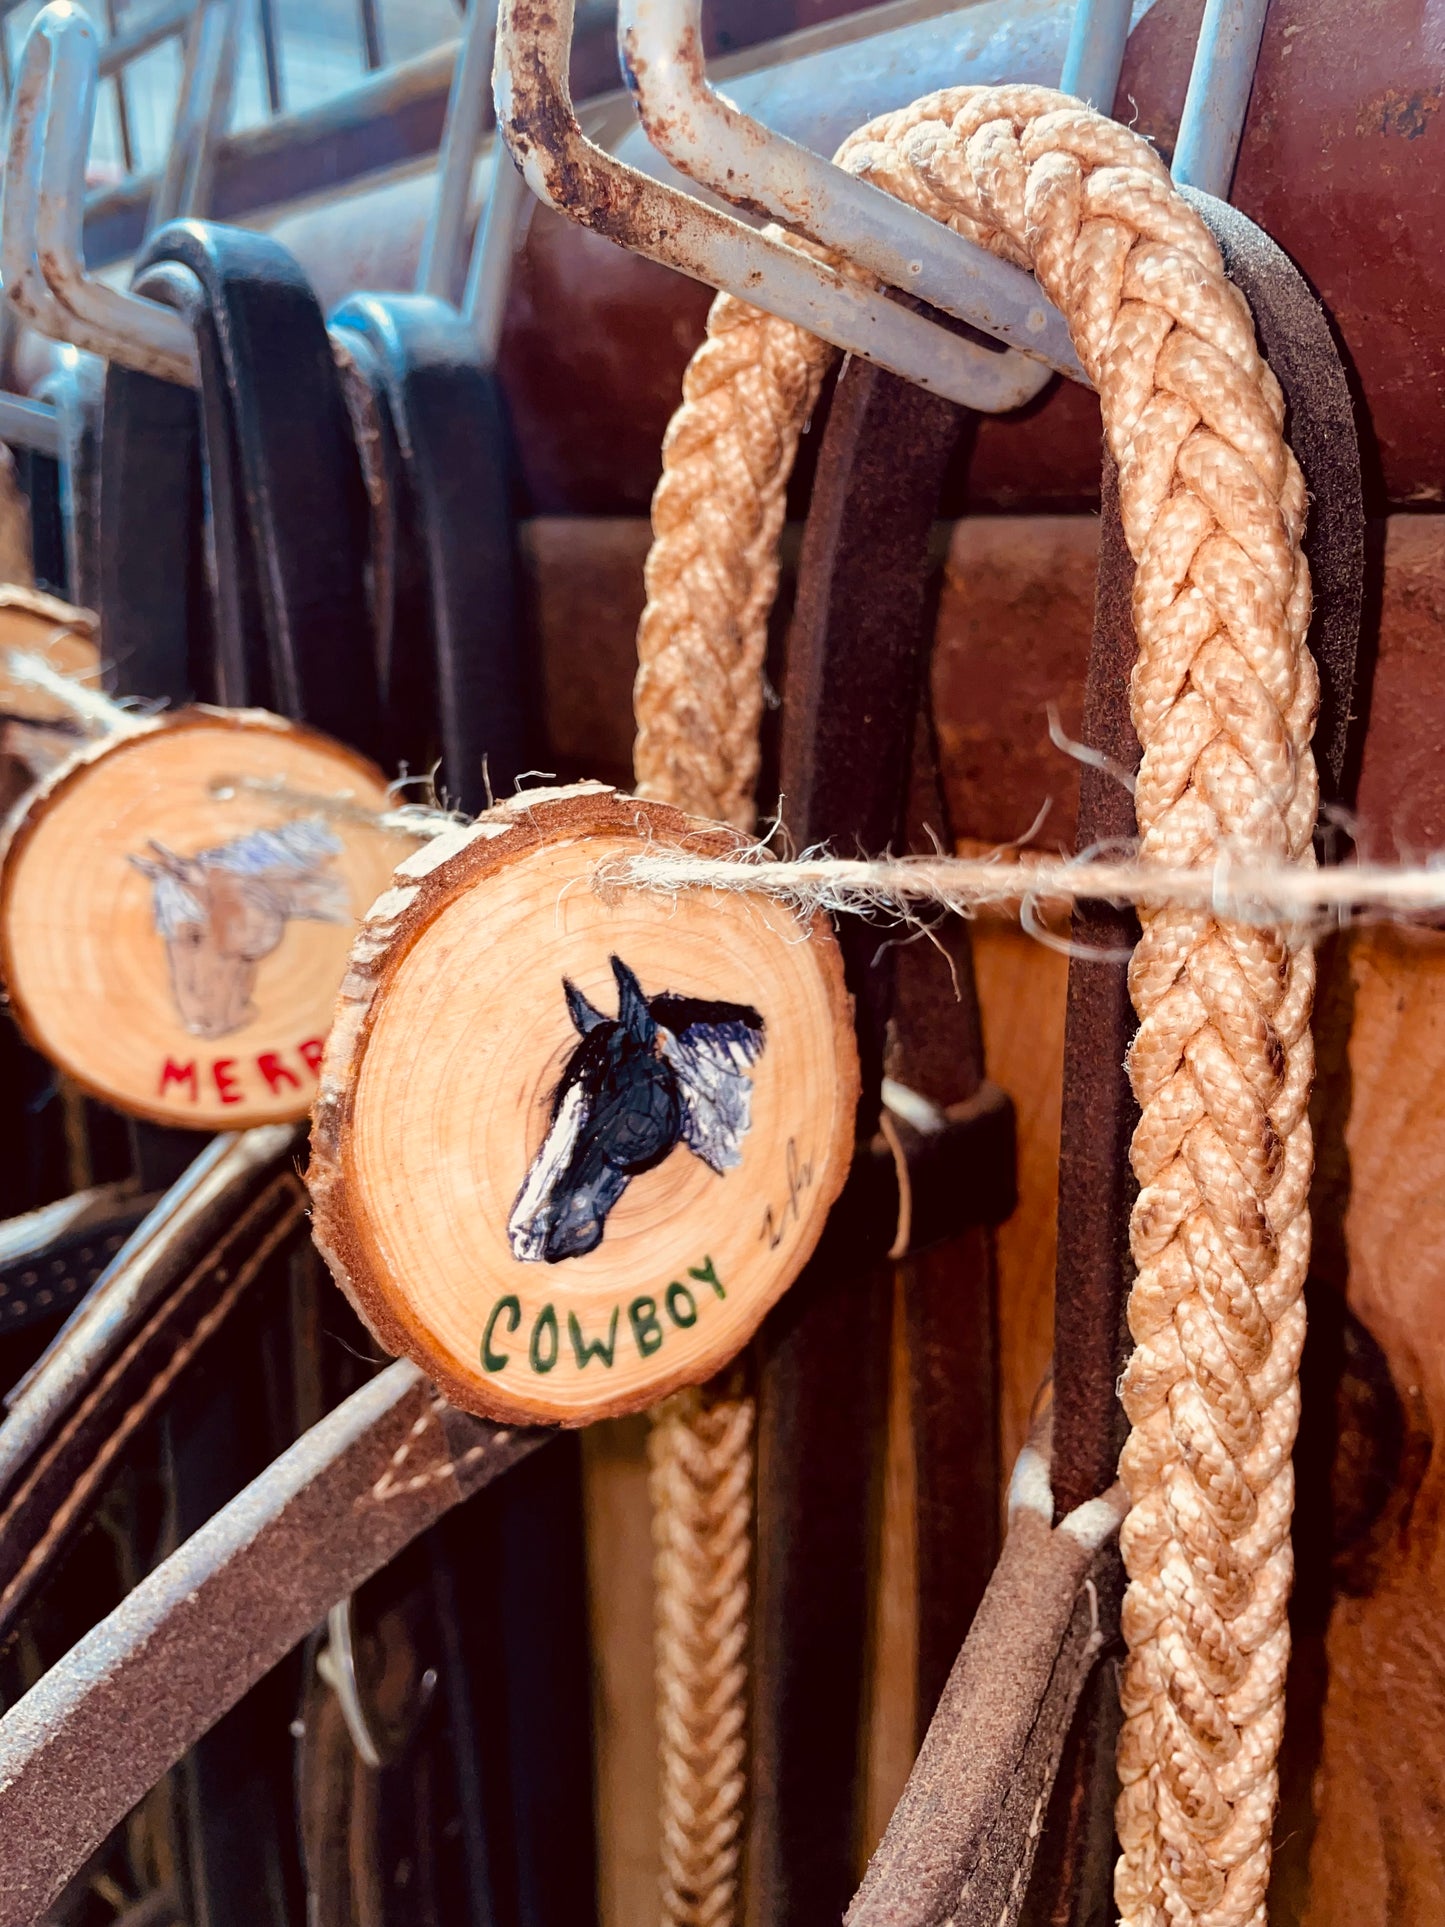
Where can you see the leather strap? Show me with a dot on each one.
(50, 1258)
(467, 699)
(856, 656)
(170, 1289)
(101, 1727)
(963, 1839)
(268, 374)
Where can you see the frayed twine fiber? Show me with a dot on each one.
(1244, 890)
(100, 714)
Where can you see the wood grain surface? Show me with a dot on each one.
(174, 950)
(496, 1061)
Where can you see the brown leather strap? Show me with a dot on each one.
(82, 1746)
(857, 652)
(169, 1291)
(961, 1841)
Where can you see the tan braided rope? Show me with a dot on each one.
(1223, 700)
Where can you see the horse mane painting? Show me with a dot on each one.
(222, 910)
(667, 1070)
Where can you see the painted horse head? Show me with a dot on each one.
(223, 910)
(666, 1070)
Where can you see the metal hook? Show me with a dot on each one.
(1212, 124)
(41, 243)
(202, 111)
(713, 141)
(574, 175)
(482, 297)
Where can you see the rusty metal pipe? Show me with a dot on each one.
(761, 171)
(86, 313)
(574, 175)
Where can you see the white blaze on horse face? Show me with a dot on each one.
(527, 1227)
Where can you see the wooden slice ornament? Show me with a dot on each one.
(37, 731)
(171, 935)
(573, 1143)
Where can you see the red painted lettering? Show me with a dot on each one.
(175, 1073)
(311, 1051)
(275, 1072)
(223, 1070)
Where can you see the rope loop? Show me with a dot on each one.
(1223, 697)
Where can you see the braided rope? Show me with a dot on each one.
(701, 1485)
(1223, 700)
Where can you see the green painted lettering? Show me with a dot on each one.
(545, 1327)
(589, 1348)
(642, 1313)
(681, 1306)
(706, 1276)
(496, 1361)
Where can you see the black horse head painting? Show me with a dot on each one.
(666, 1070)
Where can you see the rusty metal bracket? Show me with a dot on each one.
(572, 174)
(700, 131)
(41, 261)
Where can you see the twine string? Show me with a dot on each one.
(101, 715)
(1247, 890)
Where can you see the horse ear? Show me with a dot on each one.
(167, 862)
(584, 1015)
(632, 1011)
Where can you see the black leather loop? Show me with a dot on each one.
(467, 701)
(268, 375)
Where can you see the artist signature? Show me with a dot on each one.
(800, 1178)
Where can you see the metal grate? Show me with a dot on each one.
(293, 55)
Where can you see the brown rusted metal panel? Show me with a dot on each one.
(1015, 612)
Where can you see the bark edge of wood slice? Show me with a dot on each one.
(571, 1146)
(157, 947)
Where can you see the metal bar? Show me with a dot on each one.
(1095, 55)
(660, 42)
(163, 24)
(574, 175)
(122, 99)
(30, 424)
(1220, 81)
(216, 1615)
(270, 54)
(498, 233)
(370, 23)
(439, 271)
(202, 110)
(25, 289)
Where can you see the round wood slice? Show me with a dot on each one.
(42, 625)
(571, 1143)
(178, 951)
